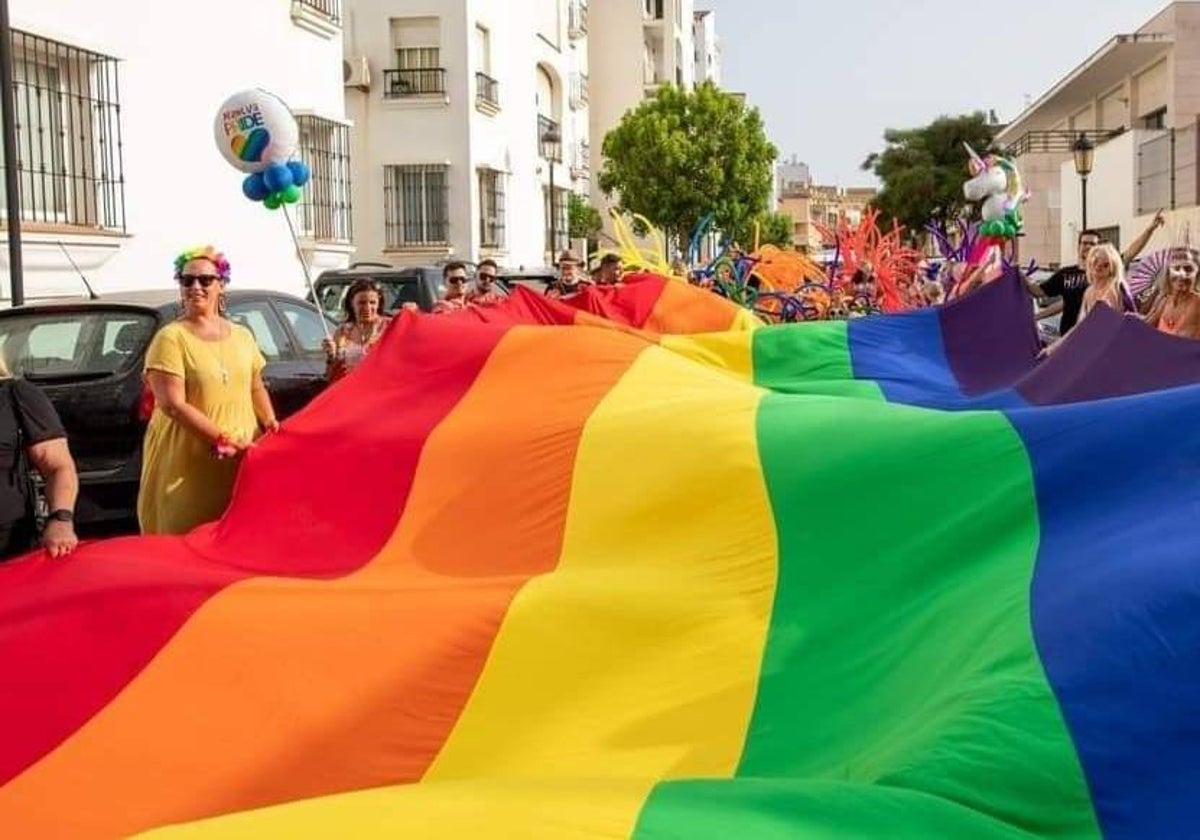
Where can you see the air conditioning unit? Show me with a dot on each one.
(356, 72)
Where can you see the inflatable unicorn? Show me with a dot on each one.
(996, 182)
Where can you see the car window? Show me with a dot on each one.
(306, 325)
(257, 317)
(65, 344)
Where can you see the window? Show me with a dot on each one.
(306, 325)
(491, 208)
(579, 90)
(418, 71)
(487, 89)
(325, 210)
(416, 205)
(561, 238)
(1155, 119)
(262, 323)
(68, 125)
(94, 342)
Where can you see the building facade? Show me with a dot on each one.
(812, 206)
(664, 32)
(453, 102)
(117, 167)
(708, 48)
(1137, 99)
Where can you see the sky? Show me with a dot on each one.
(831, 75)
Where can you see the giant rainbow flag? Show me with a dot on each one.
(634, 566)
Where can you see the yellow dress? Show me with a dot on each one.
(183, 484)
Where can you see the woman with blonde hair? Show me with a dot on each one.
(1106, 281)
(210, 403)
(1105, 285)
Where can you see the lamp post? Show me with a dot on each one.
(12, 187)
(551, 138)
(1084, 151)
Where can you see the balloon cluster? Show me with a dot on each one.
(256, 133)
(277, 185)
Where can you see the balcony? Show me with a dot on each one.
(1055, 142)
(549, 151)
(487, 93)
(320, 17)
(577, 19)
(579, 91)
(404, 84)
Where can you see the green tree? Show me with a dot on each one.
(684, 154)
(773, 229)
(923, 169)
(584, 221)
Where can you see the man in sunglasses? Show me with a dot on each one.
(483, 291)
(455, 296)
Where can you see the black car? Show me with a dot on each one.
(422, 285)
(87, 357)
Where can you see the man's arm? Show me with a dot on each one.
(1138, 245)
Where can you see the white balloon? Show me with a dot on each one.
(255, 128)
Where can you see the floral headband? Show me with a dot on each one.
(206, 252)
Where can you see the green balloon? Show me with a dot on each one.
(273, 201)
(291, 195)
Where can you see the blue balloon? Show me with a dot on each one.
(254, 187)
(277, 177)
(300, 172)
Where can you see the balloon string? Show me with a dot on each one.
(307, 272)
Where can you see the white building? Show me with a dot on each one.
(450, 99)
(708, 48)
(663, 31)
(118, 167)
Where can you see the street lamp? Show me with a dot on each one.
(1084, 151)
(551, 138)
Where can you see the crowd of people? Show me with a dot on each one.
(211, 405)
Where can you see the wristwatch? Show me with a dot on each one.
(61, 515)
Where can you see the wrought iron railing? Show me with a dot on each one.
(68, 126)
(398, 84)
(1056, 142)
(331, 9)
(416, 205)
(491, 208)
(325, 212)
(487, 90)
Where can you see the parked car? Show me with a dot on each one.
(87, 356)
(422, 285)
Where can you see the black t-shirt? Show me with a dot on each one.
(1068, 283)
(20, 403)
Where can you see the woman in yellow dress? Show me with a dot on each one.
(206, 374)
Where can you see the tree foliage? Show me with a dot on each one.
(923, 169)
(773, 229)
(584, 220)
(684, 154)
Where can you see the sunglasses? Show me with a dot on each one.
(456, 279)
(483, 275)
(205, 280)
